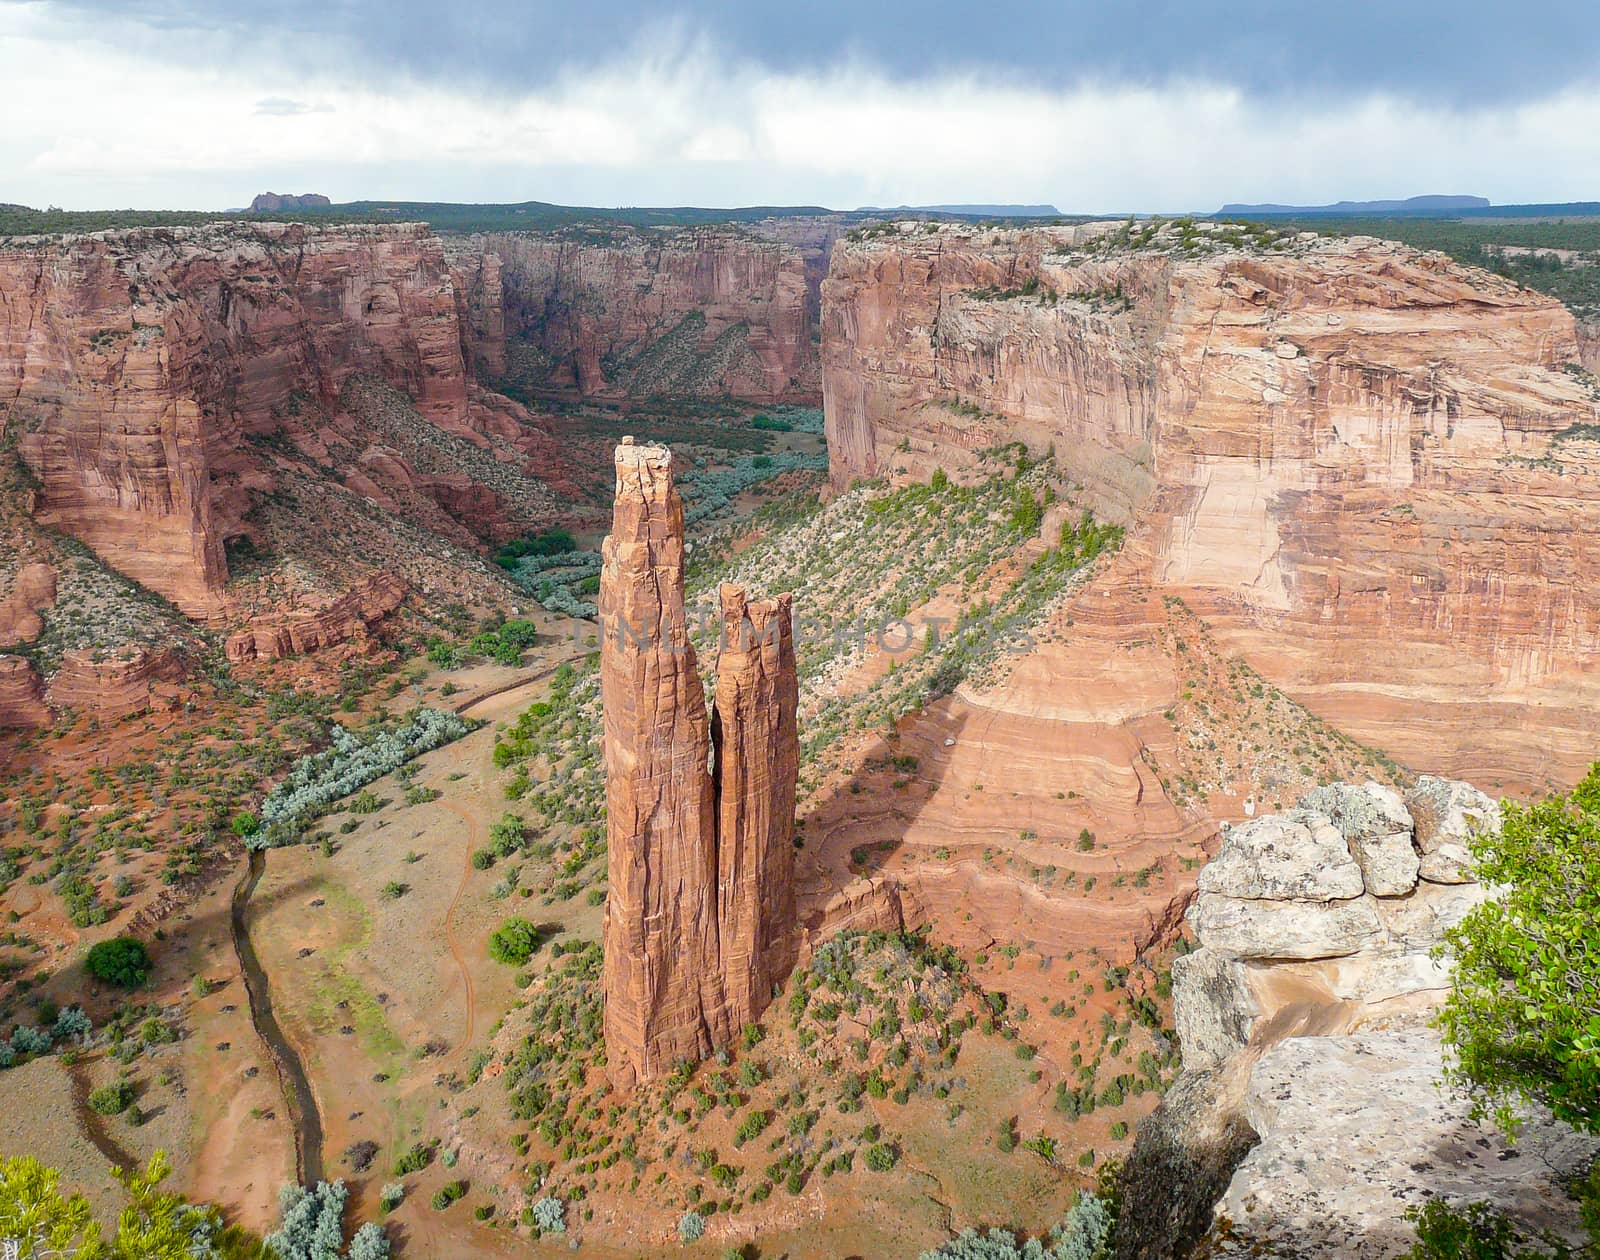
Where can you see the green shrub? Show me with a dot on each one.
(1524, 1013)
(514, 942)
(122, 961)
(112, 1099)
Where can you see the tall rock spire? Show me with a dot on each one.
(700, 912)
(757, 745)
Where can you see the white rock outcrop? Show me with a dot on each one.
(1355, 1129)
(1306, 1014)
(1327, 908)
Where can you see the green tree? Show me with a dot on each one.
(1524, 1013)
(121, 961)
(47, 1223)
(513, 942)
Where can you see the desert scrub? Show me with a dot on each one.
(353, 760)
(1088, 1233)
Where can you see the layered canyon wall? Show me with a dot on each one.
(1365, 466)
(132, 363)
(700, 911)
(616, 312)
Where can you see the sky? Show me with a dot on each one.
(1095, 107)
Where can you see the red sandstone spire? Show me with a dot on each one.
(701, 904)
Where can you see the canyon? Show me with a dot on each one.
(699, 818)
(134, 366)
(1183, 524)
(617, 313)
(1367, 468)
(288, 392)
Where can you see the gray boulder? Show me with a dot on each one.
(1247, 928)
(1300, 854)
(1447, 812)
(1377, 826)
(1212, 1007)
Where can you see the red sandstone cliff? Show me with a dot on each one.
(700, 910)
(133, 362)
(1356, 460)
(618, 312)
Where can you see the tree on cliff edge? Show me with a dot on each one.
(1524, 1015)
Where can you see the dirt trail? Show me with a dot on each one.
(93, 1125)
(474, 837)
(508, 698)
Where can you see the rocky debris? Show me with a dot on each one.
(1305, 1024)
(1446, 813)
(33, 589)
(347, 619)
(700, 909)
(1355, 1129)
(1273, 425)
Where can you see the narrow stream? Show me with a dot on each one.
(292, 1079)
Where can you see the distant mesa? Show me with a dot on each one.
(979, 208)
(289, 201)
(1435, 204)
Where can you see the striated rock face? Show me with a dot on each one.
(755, 738)
(132, 363)
(1304, 1019)
(1355, 460)
(347, 619)
(480, 297)
(22, 702)
(1589, 345)
(700, 910)
(33, 589)
(714, 311)
(134, 680)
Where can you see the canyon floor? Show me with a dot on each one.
(1015, 753)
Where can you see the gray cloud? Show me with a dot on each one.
(287, 107)
(1447, 52)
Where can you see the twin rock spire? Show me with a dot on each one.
(700, 917)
